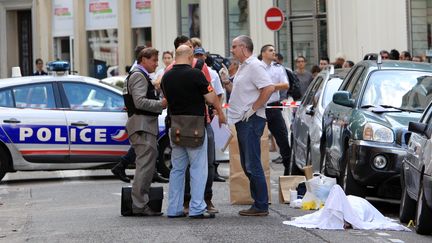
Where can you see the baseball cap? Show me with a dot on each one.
(199, 50)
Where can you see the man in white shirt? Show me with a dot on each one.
(275, 120)
(252, 88)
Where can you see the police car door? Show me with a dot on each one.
(34, 127)
(96, 121)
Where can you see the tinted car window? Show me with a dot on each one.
(356, 83)
(90, 97)
(312, 90)
(331, 87)
(6, 98)
(34, 96)
(399, 88)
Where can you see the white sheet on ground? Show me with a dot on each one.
(354, 210)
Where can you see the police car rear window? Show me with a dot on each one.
(38, 96)
(6, 99)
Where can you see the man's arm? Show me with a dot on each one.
(281, 86)
(214, 100)
(263, 97)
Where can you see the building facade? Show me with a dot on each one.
(98, 36)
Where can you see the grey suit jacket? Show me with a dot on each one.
(138, 86)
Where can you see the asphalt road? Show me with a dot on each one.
(84, 206)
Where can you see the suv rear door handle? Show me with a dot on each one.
(12, 120)
(79, 124)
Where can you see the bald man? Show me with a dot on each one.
(187, 90)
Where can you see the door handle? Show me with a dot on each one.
(79, 124)
(12, 120)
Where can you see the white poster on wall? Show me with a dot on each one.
(62, 18)
(140, 13)
(101, 14)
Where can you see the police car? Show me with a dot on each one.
(62, 121)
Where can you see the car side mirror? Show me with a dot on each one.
(343, 98)
(310, 110)
(419, 128)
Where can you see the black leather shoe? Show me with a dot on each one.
(119, 172)
(159, 178)
(219, 178)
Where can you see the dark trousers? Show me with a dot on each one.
(211, 154)
(128, 158)
(276, 125)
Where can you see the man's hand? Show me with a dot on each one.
(224, 74)
(222, 119)
(248, 114)
(164, 103)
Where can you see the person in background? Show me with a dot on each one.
(275, 120)
(200, 53)
(405, 56)
(196, 42)
(304, 76)
(324, 62)
(167, 59)
(417, 59)
(39, 68)
(394, 54)
(279, 58)
(348, 64)
(384, 55)
(339, 61)
(315, 70)
(251, 91)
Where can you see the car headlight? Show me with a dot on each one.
(378, 133)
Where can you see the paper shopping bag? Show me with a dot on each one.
(238, 181)
(287, 183)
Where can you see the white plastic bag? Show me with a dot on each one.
(320, 186)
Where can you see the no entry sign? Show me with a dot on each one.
(274, 18)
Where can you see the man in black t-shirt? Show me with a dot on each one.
(187, 91)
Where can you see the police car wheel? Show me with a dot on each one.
(4, 162)
(164, 159)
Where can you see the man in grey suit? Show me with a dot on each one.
(143, 106)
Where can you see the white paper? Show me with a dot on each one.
(222, 135)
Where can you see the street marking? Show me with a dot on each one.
(396, 240)
(274, 19)
(382, 234)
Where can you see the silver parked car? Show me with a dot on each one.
(307, 124)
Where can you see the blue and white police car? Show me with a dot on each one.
(63, 121)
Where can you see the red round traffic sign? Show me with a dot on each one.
(274, 18)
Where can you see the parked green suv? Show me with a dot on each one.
(365, 126)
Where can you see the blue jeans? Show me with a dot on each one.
(249, 140)
(181, 157)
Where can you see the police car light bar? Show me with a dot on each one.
(58, 66)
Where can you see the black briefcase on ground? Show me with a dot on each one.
(155, 203)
